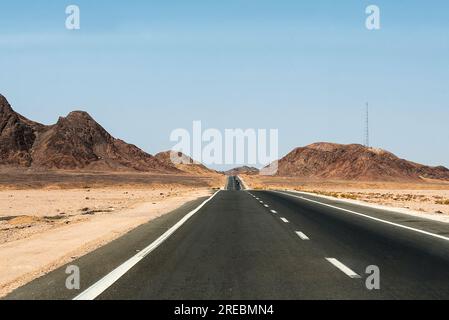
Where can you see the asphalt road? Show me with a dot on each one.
(245, 244)
(233, 184)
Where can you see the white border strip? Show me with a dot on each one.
(227, 183)
(370, 217)
(244, 185)
(100, 286)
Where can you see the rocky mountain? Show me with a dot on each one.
(184, 163)
(17, 136)
(354, 162)
(242, 170)
(74, 142)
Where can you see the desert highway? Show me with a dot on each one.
(244, 244)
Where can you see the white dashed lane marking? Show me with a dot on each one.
(284, 220)
(343, 268)
(302, 235)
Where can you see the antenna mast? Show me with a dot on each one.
(367, 126)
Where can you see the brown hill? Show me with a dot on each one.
(17, 136)
(74, 142)
(187, 165)
(242, 170)
(354, 162)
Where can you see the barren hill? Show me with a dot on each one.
(187, 164)
(242, 170)
(354, 162)
(17, 136)
(74, 142)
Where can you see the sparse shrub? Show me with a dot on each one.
(348, 196)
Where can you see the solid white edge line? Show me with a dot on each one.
(370, 217)
(302, 235)
(104, 283)
(284, 220)
(343, 268)
(244, 185)
(227, 184)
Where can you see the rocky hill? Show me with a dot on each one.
(74, 142)
(242, 170)
(354, 162)
(185, 164)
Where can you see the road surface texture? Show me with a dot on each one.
(244, 244)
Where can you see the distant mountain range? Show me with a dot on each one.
(78, 142)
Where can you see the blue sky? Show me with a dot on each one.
(144, 68)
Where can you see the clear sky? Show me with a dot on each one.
(144, 68)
